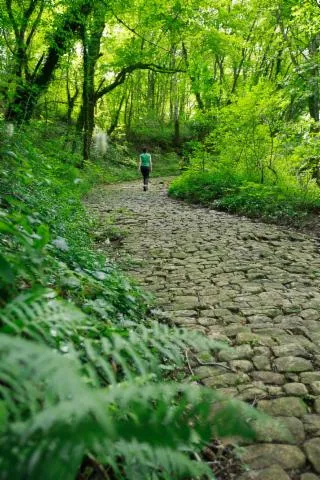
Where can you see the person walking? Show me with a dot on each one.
(145, 167)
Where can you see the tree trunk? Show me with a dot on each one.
(151, 91)
(91, 39)
(314, 82)
(28, 92)
(22, 104)
(88, 101)
(176, 112)
(314, 101)
(177, 138)
(115, 119)
(71, 102)
(195, 88)
(71, 98)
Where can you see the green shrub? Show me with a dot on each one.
(227, 191)
(253, 161)
(204, 187)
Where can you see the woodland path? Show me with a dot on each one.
(254, 285)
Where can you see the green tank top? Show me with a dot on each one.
(145, 159)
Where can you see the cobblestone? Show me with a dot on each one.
(253, 285)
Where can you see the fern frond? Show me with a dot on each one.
(52, 415)
(46, 320)
(109, 360)
(170, 341)
(50, 412)
(141, 462)
(142, 352)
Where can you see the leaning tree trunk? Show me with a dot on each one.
(116, 116)
(71, 98)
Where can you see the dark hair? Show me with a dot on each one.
(144, 149)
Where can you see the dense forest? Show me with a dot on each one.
(231, 86)
(224, 93)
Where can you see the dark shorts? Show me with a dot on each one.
(145, 173)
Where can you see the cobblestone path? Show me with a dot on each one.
(254, 285)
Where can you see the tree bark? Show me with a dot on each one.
(28, 91)
(91, 39)
(314, 107)
(115, 119)
(71, 98)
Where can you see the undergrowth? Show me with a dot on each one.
(85, 370)
(225, 190)
(254, 161)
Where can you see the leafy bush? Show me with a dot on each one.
(246, 135)
(224, 190)
(253, 161)
(271, 202)
(204, 187)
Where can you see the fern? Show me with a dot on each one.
(47, 320)
(77, 386)
(173, 342)
(54, 407)
(145, 351)
(142, 351)
(141, 462)
(50, 414)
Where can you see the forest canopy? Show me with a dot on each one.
(126, 67)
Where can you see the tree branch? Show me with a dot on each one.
(122, 75)
(30, 9)
(3, 32)
(131, 29)
(35, 24)
(286, 38)
(12, 19)
(38, 65)
(65, 32)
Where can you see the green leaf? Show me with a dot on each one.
(3, 416)
(44, 234)
(6, 272)
(6, 228)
